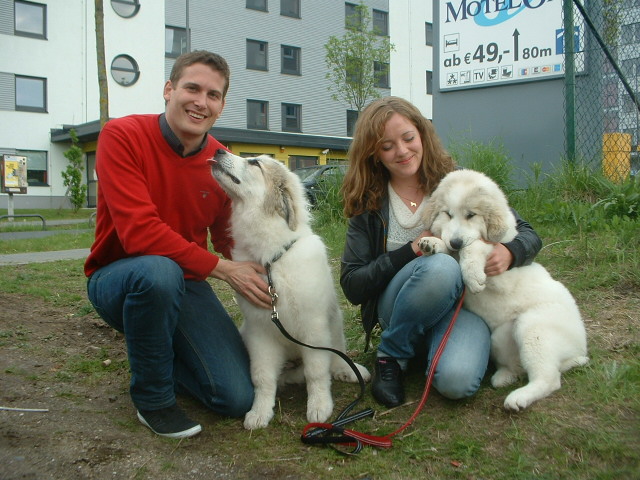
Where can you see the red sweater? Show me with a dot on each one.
(151, 201)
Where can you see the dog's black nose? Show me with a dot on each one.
(221, 152)
(456, 243)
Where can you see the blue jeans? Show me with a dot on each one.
(179, 336)
(415, 310)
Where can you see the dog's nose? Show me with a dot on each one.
(456, 243)
(221, 152)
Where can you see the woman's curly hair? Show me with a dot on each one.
(365, 183)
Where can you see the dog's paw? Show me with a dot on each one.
(431, 245)
(518, 400)
(320, 408)
(503, 377)
(254, 419)
(474, 279)
(346, 374)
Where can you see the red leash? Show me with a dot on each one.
(328, 433)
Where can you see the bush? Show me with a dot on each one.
(76, 189)
(491, 159)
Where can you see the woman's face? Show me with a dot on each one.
(401, 148)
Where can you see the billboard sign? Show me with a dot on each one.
(492, 42)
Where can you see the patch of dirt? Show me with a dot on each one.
(88, 431)
(51, 359)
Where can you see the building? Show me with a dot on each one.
(278, 103)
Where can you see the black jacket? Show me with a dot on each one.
(367, 267)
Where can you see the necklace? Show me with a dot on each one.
(411, 202)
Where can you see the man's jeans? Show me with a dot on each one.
(415, 311)
(179, 336)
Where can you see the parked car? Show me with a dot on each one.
(317, 178)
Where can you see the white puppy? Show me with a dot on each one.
(536, 327)
(270, 226)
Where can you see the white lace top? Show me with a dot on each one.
(404, 225)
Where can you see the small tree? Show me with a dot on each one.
(351, 60)
(76, 189)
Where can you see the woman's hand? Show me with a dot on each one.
(498, 261)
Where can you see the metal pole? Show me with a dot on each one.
(188, 28)
(569, 82)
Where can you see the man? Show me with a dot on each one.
(157, 204)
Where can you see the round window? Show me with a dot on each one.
(124, 70)
(126, 8)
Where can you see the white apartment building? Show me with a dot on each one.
(279, 101)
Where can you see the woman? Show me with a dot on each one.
(396, 161)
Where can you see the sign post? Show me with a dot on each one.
(14, 178)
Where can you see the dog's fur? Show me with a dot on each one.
(536, 327)
(269, 212)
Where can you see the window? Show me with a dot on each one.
(352, 116)
(257, 115)
(30, 19)
(429, 82)
(124, 70)
(381, 74)
(257, 55)
(31, 94)
(380, 22)
(631, 33)
(175, 41)
(352, 16)
(290, 8)
(291, 117)
(36, 167)
(428, 33)
(125, 8)
(257, 5)
(354, 70)
(290, 60)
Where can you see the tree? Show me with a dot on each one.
(351, 61)
(102, 67)
(76, 189)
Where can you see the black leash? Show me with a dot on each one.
(322, 435)
(334, 433)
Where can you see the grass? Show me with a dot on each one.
(589, 429)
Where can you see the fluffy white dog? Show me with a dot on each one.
(536, 327)
(270, 226)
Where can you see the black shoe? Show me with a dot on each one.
(169, 422)
(386, 385)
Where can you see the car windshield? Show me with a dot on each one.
(306, 172)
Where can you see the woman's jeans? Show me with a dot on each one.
(179, 336)
(415, 311)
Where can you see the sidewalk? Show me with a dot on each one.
(41, 257)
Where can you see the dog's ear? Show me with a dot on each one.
(496, 224)
(287, 207)
(496, 216)
(279, 200)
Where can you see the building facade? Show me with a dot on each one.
(279, 101)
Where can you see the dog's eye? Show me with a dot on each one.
(470, 215)
(254, 162)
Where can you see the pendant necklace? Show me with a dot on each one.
(411, 202)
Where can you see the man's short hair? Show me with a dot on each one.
(213, 60)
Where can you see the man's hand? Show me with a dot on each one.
(498, 260)
(245, 278)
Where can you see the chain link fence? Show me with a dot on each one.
(602, 97)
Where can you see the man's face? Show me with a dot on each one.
(194, 104)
